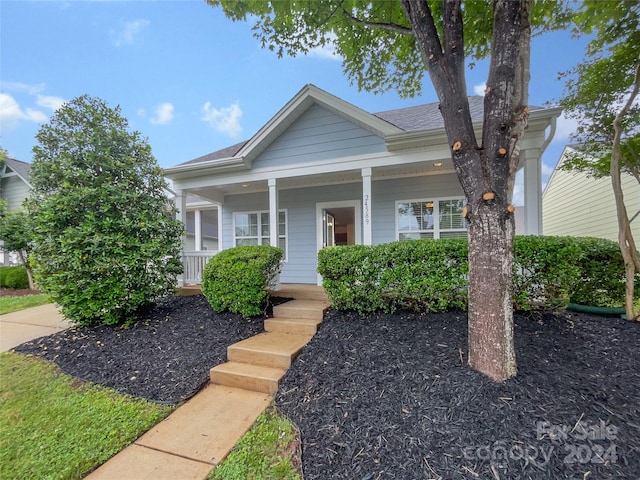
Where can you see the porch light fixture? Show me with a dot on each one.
(437, 164)
(245, 185)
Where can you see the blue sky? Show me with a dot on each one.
(187, 78)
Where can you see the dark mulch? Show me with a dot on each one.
(391, 396)
(165, 357)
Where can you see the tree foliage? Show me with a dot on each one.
(106, 241)
(597, 88)
(602, 92)
(15, 233)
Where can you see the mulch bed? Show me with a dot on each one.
(18, 292)
(391, 396)
(165, 357)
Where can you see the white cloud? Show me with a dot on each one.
(327, 52)
(50, 102)
(128, 32)
(479, 89)
(23, 87)
(164, 114)
(11, 112)
(226, 120)
(565, 127)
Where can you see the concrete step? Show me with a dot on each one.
(272, 349)
(301, 292)
(256, 378)
(304, 326)
(309, 309)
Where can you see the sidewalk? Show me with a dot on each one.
(29, 324)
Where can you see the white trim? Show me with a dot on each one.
(355, 204)
(367, 200)
(436, 211)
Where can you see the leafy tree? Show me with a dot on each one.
(105, 238)
(391, 45)
(602, 94)
(15, 233)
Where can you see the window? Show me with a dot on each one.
(437, 218)
(252, 228)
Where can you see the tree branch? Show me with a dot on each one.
(393, 27)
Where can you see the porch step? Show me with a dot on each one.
(301, 292)
(271, 349)
(304, 326)
(256, 378)
(306, 309)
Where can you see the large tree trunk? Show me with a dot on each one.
(491, 349)
(486, 172)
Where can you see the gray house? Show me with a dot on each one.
(329, 173)
(14, 189)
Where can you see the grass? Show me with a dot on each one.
(10, 304)
(266, 451)
(54, 426)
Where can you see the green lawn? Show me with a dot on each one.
(54, 426)
(10, 304)
(264, 452)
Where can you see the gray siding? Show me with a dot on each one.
(300, 205)
(14, 190)
(318, 135)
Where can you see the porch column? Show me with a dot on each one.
(220, 223)
(181, 214)
(367, 237)
(273, 212)
(197, 217)
(532, 191)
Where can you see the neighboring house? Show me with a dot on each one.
(328, 173)
(14, 189)
(575, 204)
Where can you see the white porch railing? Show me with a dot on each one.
(194, 263)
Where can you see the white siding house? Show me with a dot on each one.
(578, 205)
(328, 173)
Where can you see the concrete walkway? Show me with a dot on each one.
(194, 439)
(29, 324)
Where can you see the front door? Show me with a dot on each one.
(338, 223)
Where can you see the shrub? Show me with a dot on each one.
(545, 272)
(602, 280)
(425, 275)
(431, 275)
(105, 242)
(13, 277)
(236, 279)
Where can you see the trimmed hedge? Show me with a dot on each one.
(432, 275)
(236, 279)
(13, 277)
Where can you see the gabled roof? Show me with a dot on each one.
(395, 126)
(20, 168)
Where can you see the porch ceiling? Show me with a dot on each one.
(327, 178)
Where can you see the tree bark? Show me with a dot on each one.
(486, 172)
(24, 260)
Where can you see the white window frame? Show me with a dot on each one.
(259, 213)
(436, 213)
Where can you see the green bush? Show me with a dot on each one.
(236, 279)
(602, 282)
(545, 272)
(431, 275)
(425, 275)
(105, 240)
(13, 277)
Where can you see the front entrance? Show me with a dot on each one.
(338, 223)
